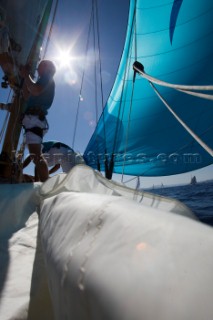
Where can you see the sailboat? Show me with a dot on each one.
(81, 245)
(193, 180)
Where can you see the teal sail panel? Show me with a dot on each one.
(173, 41)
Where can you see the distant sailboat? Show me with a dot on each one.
(193, 180)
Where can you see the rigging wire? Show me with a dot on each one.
(94, 30)
(95, 71)
(99, 55)
(82, 80)
(203, 144)
(51, 29)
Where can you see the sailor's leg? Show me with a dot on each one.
(40, 162)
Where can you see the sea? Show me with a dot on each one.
(198, 197)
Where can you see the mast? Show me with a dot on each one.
(8, 160)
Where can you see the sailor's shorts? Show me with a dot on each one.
(32, 121)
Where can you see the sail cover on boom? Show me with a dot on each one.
(172, 39)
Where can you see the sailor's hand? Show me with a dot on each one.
(6, 106)
(24, 71)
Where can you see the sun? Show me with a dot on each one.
(64, 58)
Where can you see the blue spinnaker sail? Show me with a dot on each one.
(173, 41)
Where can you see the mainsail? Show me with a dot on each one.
(136, 132)
(22, 19)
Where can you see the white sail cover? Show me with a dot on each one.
(107, 253)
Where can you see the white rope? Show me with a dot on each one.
(207, 148)
(198, 94)
(170, 85)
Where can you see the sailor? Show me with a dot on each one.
(58, 155)
(39, 96)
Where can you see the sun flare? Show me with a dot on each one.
(64, 58)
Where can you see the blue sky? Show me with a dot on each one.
(70, 31)
(69, 35)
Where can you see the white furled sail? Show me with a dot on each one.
(101, 251)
